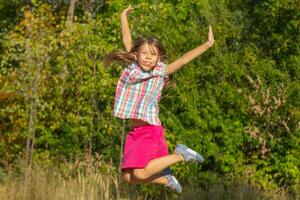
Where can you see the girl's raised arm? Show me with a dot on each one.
(126, 35)
(192, 54)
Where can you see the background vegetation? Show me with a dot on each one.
(238, 104)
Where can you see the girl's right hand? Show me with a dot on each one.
(127, 11)
(211, 39)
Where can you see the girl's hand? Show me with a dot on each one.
(127, 11)
(211, 39)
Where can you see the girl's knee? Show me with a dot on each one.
(140, 174)
(127, 178)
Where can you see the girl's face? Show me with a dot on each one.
(147, 56)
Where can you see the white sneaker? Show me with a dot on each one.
(173, 183)
(188, 154)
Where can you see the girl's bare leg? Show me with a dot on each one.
(156, 178)
(155, 166)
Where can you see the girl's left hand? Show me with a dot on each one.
(211, 39)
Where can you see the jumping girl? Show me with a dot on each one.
(146, 158)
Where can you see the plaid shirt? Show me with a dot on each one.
(138, 93)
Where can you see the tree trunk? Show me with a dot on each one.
(32, 107)
(31, 126)
(70, 16)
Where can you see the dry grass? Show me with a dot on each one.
(93, 179)
(85, 180)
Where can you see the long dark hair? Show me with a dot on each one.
(129, 57)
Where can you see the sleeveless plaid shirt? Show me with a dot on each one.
(138, 93)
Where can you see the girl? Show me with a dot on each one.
(146, 158)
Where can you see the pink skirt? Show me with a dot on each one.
(143, 144)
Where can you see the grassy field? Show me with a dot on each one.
(93, 179)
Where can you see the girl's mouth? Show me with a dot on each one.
(148, 64)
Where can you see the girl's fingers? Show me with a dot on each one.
(129, 9)
(210, 34)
